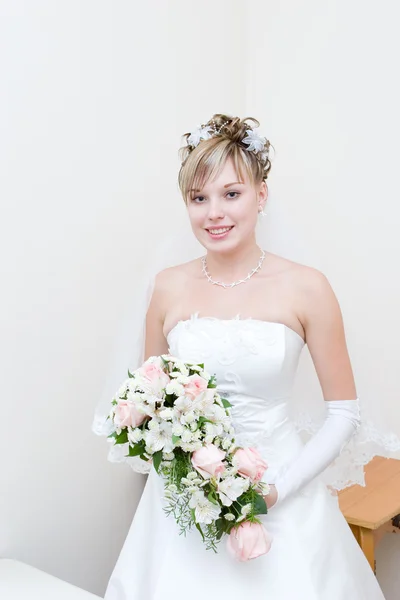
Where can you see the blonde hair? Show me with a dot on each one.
(206, 160)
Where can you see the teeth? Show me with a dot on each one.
(219, 231)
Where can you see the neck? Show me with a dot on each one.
(233, 265)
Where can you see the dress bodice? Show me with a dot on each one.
(255, 363)
(251, 357)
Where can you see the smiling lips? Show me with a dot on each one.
(219, 232)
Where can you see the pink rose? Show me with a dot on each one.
(249, 463)
(248, 541)
(153, 372)
(208, 461)
(196, 386)
(127, 415)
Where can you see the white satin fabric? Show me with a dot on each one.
(314, 555)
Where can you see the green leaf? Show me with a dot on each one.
(202, 420)
(200, 530)
(157, 458)
(122, 438)
(175, 439)
(130, 375)
(220, 527)
(169, 399)
(260, 507)
(226, 403)
(136, 450)
(212, 498)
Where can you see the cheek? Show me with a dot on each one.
(247, 215)
(196, 217)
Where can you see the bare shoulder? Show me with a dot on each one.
(309, 288)
(171, 281)
(170, 277)
(301, 276)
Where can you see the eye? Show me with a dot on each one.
(232, 197)
(198, 199)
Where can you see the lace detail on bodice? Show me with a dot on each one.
(255, 363)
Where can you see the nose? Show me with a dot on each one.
(215, 211)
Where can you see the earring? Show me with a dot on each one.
(261, 212)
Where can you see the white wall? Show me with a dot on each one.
(321, 78)
(95, 96)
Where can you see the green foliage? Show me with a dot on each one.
(212, 382)
(120, 438)
(226, 403)
(137, 450)
(157, 458)
(260, 506)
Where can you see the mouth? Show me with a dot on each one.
(219, 232)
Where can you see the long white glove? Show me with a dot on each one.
(342, 421)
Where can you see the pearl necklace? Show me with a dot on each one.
(230, 285)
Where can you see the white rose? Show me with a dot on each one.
(173, 387)
(189, 417)
(177, 429)
(168, 456)
(246, 509)
(186, 436)
(216, 413)
(226, 443)
(182, 367)
(135, 435)
(205, 375)
(195, 368)
(166, 414)
(153, 424)
(182, 379)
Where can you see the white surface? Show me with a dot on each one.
(94, 98)
(321, 79)
(22, 582)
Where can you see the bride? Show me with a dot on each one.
(247, 314)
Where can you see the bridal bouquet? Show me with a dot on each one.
(169, 412)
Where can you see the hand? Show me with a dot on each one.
(272, 497)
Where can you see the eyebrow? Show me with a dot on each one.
(225, 186)
(234, 183)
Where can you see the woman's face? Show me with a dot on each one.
(223, 214)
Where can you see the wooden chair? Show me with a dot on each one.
(374, 510)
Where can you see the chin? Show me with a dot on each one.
(220, 246)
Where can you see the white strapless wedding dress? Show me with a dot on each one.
(314, 555)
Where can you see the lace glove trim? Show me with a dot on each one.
(341, 423)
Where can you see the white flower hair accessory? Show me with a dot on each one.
(203, 132)
(198, 134)
(254, 141)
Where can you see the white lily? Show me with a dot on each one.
(204, 510)
(231, 488)
(159, 437)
